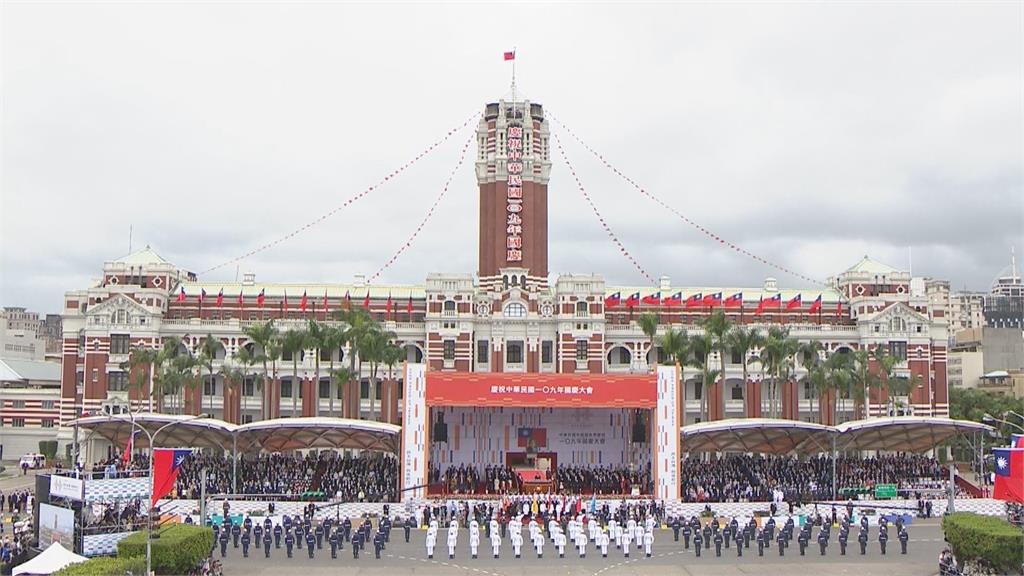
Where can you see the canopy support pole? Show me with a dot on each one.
(951, 506)
(234, 464)
(834, 455)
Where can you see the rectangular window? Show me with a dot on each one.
(249, 387)
(449, 349)
(119, 343)
(514, 352)
(483, 352)
(808, 390)
(737, 393)
(209, 386)
(18, 422)
(325, 354)
(736, 357)
(17, 403)
(582, 350)
(547, 348)
(246, 418)
(47, 423)
(364, 388)
(49, 405)
(325, 389)
(117, 382)
(898, 350)
(286, 355)
(698, 390)
(286, 388)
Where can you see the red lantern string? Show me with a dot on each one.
(349, 201)
(679, 214)
(600, 218)
(401, 250)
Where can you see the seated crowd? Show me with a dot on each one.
(762, 479)
(601, 480)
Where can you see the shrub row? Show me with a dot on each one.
(107, 566)
(986, 539)
(178, 550)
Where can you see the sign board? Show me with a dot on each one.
(885, 491)
(56, 525)
(541, 390)
(66, 487)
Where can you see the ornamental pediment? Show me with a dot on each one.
(117, 303)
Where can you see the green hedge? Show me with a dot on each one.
(48, 448)
(178, 550)
(107, 566)
(985, 539)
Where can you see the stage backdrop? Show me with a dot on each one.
(582, 436)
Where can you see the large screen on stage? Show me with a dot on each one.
(56, 524)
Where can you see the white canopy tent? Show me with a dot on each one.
(53, 559)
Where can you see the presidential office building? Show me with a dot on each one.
(508, 317)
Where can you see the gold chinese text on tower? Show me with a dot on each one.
(512, 170)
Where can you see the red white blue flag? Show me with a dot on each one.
(166, 464)
(1009, 468)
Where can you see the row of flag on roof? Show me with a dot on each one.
(1009, 470)
(713, 300)
(305, 302)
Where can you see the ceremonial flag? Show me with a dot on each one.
(326, 307)
(408, 305)
(773, 302)
(259, 298)
(674, 300)
(285, 303)
(127, 456)
(220, 297)
(653, 299)
(694, 300)
(303, 302)
(538, 435)
(839, 308)
(613, 300)
(510, 55)
(734, 301)
(166, 464)
(348, 301)
(713, 300)
(794, 302)
(181, 295)
(1009, 467)
(816, 305)
(634, 300)
(387, 306)
(202, 295)
(1017, 440)
(240, 299)
(366, 300)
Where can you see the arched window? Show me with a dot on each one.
(515, 310)
(898, 325)
(582, 309)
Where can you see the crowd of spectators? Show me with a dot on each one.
(768, 478)
(601, 480)
(463, 479)
(117, 516)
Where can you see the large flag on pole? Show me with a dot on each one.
(1017, 440)
(1009, 466)
(510, 55)
(166, 464)
(127, 456)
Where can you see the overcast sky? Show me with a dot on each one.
(810, 133)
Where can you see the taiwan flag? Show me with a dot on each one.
(408, 305)
(674, 300)
(634, 300)
(539, 436)
(166, 464)
(260, 297)
(795, 302)
(387, 306)
(734, 301)
(1009, 467)
(303, 302)
(348, 300)
(327, 308)
(1017, 440)
(713, 300)
(181, 294)
(510, 55)
(695, 300)
(127, 456)
(816, 305)
(653, 299)
(366, 300)
(613, 300)
(773, 302)
(220, 297)
(241, 300)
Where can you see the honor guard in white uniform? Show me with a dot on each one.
(517, 543)
(612, 531)
(474, 538)
(431, 539)
(581, 543)
(602, 541)
(648, 542)
(538, 544)
(638, 534)
(453, 538)
(495, 542)
(592, 528)
(559, 539)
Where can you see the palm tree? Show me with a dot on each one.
(393, 354)
(716, 327)
(265, 336)
(234, 377)
(862, 378)
(247, 359)
(371, 349)
(702, 346)
(809, 356)
(676, 346)
(342, 376)
(316, 333)
(208, 349)
(840, 368)
(145, 357)
(332, 339)
(358, 321)
(777, 356)
(884, 364)
(901, 386)
(743, 339)
(648, 323)
(293, 342)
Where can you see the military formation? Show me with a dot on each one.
(535, 535)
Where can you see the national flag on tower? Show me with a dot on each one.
(166, 464)
(326, 307)
(366, 300)
(348, 301)
(303, 302)
(408, 305)
(734, 301)
(241, 300)
(387, 306)
(1017, 440)
(839, 308)
(260, 297)
(202, 295)
(653, 299)
(284, 304)
(674, 300)
(773, 302)
(633, 301)
(220, 297)
(695, 300)
(795, 302)
(816, 305)
(181, 294)
(510, 55)
(713, 300)
(613, 300)
(128, 448)
(1009, 473)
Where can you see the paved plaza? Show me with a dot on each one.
(668, 557)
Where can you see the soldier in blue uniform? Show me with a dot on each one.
(862, 539)
(287, 521)
(385, 526)
(739, 543)
(822, 540)
(844, 535)
(277, 536)
(246, 540)
(883, 538)
(356, 542)
(675, 528)
(697, 541)
(333, 540)
(408, 527)
(299, 535)
(727, 534)
(289, 542)
(266, 543)
(782, 542)
(257, 535)
(686, 536)
(904, 538)
(267, 525)
(707, 536)
(803, 537)
(247, 523)
(718, 543)
(761, 536)
(378, 543)
(224, 542)
(319, 532)
(310, 543)
(347, 526)
(236, 532)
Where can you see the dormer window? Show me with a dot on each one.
(515, 310)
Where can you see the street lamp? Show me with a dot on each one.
(990, 418)
(152, 437)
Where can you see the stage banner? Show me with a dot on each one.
(66, 487)
(414, 434)
(667, 421)
(541, 390)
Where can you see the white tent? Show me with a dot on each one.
(51, 560)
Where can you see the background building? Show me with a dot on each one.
(29, 397)
(21, 336)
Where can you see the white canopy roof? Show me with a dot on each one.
(49, 561)
(180, 431)
(902, 433)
